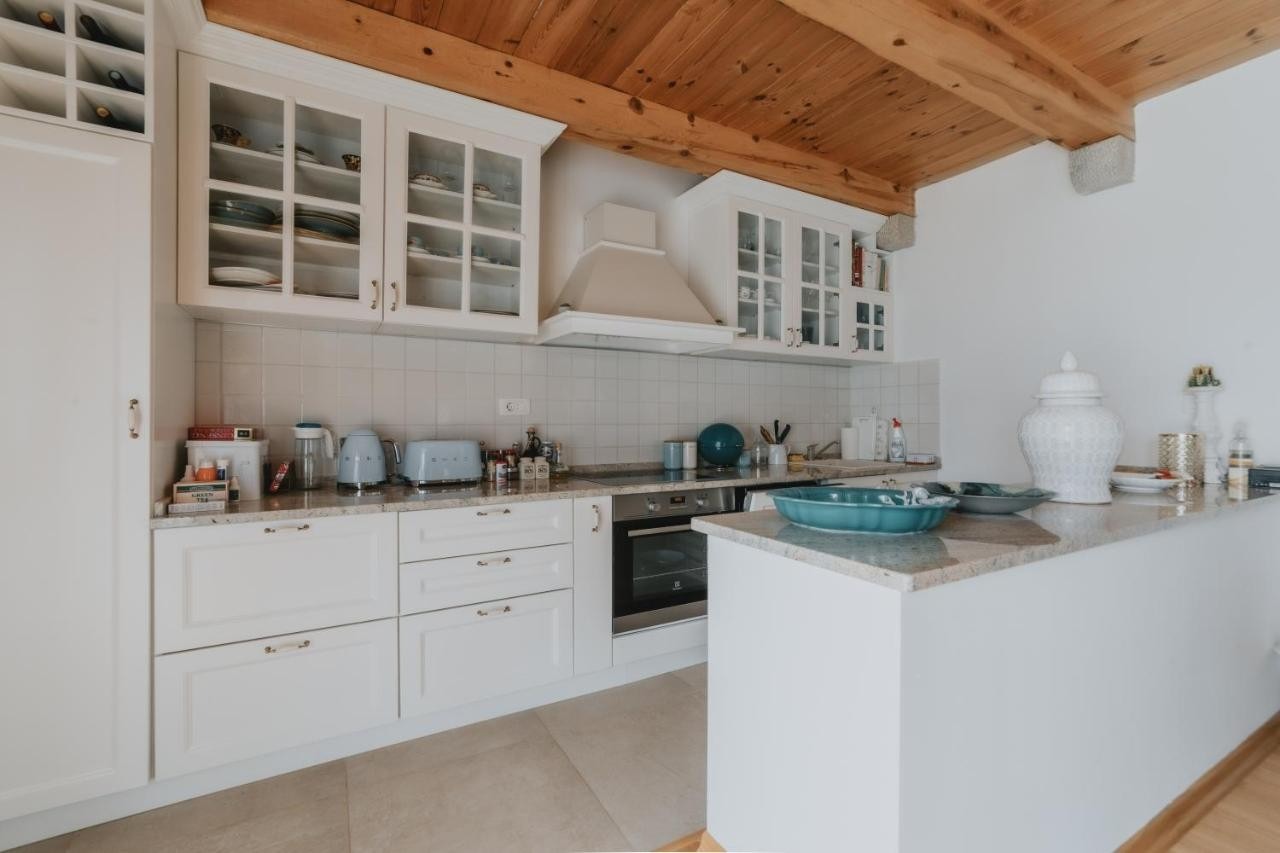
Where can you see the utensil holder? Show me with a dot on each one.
(777, 454)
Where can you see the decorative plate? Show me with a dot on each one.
(242, 277)
(990, 498)
(238, 212)
(1142, 484)
(482, 191)
(327, 222)
(301, 152)
(426, 179)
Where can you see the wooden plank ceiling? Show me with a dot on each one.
(762, 68)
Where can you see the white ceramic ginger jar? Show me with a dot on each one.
(1070, 441)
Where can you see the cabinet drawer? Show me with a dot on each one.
(452, 657)
(224, 584)
(437, 584)
(233, 702)
(434, 533)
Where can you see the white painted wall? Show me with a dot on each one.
(1011, 267)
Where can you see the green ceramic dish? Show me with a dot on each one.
(990, 498)
(843, 509)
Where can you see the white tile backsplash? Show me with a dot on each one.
(907, 391)
(605, 406)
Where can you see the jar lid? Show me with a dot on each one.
(1069, 382)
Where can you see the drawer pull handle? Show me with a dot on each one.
(503, 511)
(271, 650)
(501, 562)
(135, 419)
(284, 527)
(505, 609)
(595, 508)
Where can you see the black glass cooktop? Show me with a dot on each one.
(640, 478)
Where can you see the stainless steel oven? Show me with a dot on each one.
(659, 562)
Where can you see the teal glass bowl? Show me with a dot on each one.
(721, 445)
(844, 509)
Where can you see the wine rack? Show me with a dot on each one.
(80, 62)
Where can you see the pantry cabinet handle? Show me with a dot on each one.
(505, 609)
(373, 306)
(503, 561)
(135, 419)
(283, 527)
(503, 511)
(395, 296)
(595, 509)
(285, 647)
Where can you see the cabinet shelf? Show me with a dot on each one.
(32, 91)
(261, 169)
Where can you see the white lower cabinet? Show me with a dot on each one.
(223, 704)
(437, 584)
(225, 583)
(435, 533)
(465, 654)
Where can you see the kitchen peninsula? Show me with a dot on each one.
(1048, 681)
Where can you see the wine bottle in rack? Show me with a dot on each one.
(120, 82)
(96, 32)
(48, 21)
(109, 119)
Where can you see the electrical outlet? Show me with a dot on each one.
(513, 407)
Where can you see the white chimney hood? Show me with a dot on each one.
(624, 294)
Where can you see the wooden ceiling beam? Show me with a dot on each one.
(964, 49)
(594, 113)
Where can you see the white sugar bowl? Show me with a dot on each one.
(1070, 441)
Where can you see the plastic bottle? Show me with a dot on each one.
(897, 443)
(233, 488)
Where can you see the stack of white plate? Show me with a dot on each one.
(1142, 484)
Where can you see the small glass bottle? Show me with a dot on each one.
(1239, 462)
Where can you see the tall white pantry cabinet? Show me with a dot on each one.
(74, 585)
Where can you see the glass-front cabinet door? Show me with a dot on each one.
(872, 325)
(760, 254)
(822, 272)
(281, 197)
(461, 236)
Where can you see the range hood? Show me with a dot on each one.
(624, 294)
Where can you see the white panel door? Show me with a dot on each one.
(74, 615)
(227, 583)
(452, 657)
(592, 584)
(223, 704)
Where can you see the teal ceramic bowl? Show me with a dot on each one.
(721, 445)
(843, 509)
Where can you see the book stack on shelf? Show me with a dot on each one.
(870, 269)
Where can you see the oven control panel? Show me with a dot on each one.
(666, 504)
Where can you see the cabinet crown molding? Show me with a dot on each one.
(196, 35)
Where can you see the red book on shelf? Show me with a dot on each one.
(857, 266)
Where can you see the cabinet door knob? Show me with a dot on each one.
(395, 296)
(374, 304)
(135, 419)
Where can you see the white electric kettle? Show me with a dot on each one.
(361, 463)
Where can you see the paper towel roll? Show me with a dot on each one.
(848, 442)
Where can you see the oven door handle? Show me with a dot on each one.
(654, 531)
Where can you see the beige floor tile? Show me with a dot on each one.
(426, 752)
(49, 845)
(306, 810)
(642, 749)
(525, 795)
(694, 676)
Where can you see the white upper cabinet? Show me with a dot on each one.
(777, 263)
(305, 207)
(280, 191)
(462, 229)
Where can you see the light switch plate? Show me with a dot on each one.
(509, 407)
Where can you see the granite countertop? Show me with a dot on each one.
(965, 545)
(329, 502)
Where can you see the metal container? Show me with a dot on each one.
(1182, 452)
(672, 455)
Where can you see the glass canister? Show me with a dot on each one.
(312, 447)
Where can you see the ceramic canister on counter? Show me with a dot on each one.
(1070, 441)
(672, 455)
(690, 455)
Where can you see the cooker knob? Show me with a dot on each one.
(700, 501)
(652, 506)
